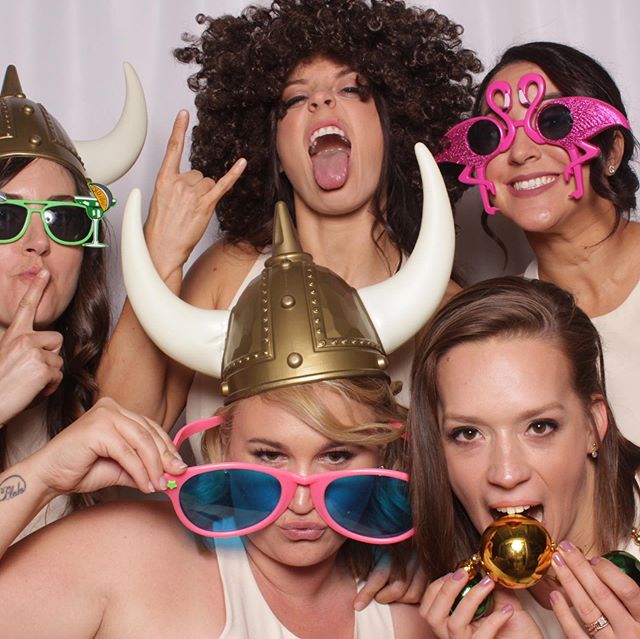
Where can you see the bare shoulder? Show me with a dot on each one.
(407, 622)
(217, 274)
(127, 569)
(452, 289)
(119, 530)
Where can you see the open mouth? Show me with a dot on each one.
(529, 510)
(330, 152)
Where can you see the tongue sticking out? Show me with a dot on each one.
(330, 159)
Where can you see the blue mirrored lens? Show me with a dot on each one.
(369, 505)
(229, 500)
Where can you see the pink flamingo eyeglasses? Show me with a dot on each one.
(230, 499)
(568, 122)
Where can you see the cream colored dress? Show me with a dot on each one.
(204, 397)
(248, 615)
(620, 334)
(25, 434)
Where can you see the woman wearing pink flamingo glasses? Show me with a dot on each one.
(550, 148)
(306, 475)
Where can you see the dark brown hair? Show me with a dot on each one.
(84, 326)
(411, 58)
(509, 307)
(576, 73)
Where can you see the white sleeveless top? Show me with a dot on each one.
(204, 396)
(248, 615)
(620, 334)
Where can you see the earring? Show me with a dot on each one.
(594, 450)
(611, 169)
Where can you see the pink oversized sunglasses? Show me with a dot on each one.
(230, 499)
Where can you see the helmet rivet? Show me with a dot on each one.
(286, 263)
(224, 388)
(288, 301)
(382, 362)
(35, 140)
(294, 360)
(27, 110)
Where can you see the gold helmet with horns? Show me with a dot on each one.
(296, 322)
(27, 129)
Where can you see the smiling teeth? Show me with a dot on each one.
(327, 130)
(513, 510)
(528, 185)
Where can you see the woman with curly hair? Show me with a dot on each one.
(54, 308)
(316, 103)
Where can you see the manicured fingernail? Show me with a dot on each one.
(162, 482)
(557, 559)
(151, 487)
(506, 609)
(594, 560)
(567, 546)
(177, 462)
(459, 574)
(42, 273)
(554, 596)
(359, 606)
(486, 581)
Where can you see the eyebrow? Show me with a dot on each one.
(53, 198)
(547, 96)
(526, 415)
(339, 74)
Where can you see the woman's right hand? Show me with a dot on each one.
(30, 362)
(107, 446)
(507, 621)
(182, 204)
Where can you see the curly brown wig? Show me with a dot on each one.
(413, 60)
(84, 326)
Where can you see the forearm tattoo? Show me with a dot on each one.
(12, 487)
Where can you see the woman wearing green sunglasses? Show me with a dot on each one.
(54, 311)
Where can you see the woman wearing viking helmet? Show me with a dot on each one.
(307, 463)
(325, 100)
(54, 313)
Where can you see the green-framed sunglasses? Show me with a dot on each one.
(68, 223)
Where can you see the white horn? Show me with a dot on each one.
(110, 157)
(192, 336)
(400, 306)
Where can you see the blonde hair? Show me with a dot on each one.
(304, 402)
(386, 430)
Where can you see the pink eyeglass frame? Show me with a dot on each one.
(289, 482)
(591, 116)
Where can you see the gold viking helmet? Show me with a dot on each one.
(27, 129)
(296, 322)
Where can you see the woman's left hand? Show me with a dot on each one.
(605, 599)
(408, 590)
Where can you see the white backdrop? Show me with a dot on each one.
(69, 55)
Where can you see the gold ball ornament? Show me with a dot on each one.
(516, 551)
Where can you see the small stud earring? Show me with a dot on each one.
(594, 450)
(611, 169)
